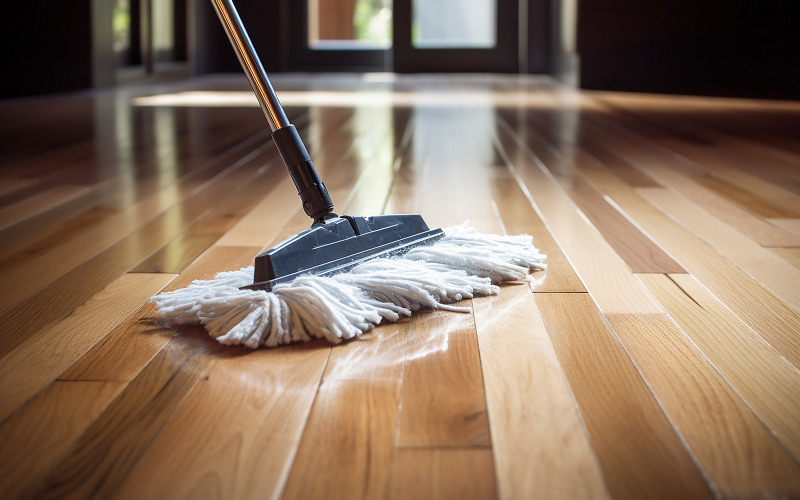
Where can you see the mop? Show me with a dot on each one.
(346, 274)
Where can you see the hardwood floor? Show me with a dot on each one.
(657, 357)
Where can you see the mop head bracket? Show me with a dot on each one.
(339, 245)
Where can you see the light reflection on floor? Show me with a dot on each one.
(358, 98)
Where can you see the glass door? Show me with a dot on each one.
(404, 35)
(340, 35)
(456, 35)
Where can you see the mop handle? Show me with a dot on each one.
(313, 194)
(251, 64)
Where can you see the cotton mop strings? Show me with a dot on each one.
(462, 265)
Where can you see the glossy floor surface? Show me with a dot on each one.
(657, 357)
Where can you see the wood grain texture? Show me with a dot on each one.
(603, 272)
(104, 455)
(56, 348)
(589, 381)
(741, 197)
(520, 217)
(762, 311)
(237, 432)
(773, 273)
(759, 374)
(35, 438)
(452, 411)
(30, 206)
(443, 474)
(639, 451)
(736, 451)
(541, 447)
(347, 446)
(755, 227)
(94, 274)
(130, 346)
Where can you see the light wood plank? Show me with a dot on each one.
(741, 197)
(762, 311)
(123, 353)
(756, 228)
(346, 449)
(790, 255)
(772, 272)
(443, 474)
(791, 225)
(737, 453)
(57, 347)
(105, 454)
(236, 434)
(761, 376)
(452, 410)
(379, 354)
(605, 275)
(41, 433)
(519, 216)
(541, 447)
(638, 450)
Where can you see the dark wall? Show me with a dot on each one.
(263, 21)
(713, 47)
(45, 46)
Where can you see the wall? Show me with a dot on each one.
(211, 51)
(45, 46)
(714, 47)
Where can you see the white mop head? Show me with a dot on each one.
(463, 264)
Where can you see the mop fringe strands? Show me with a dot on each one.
(461, 265)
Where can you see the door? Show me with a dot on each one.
(404, 35)
(456, 36)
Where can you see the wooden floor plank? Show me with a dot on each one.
(791, 225)
(237, 432)
(105, 454)
(759, 374)
(755, 227)
(636, 249)
(61, 297)
(346, 449)
(443, 474)
(743, 198)
(43, 201)
(56, 348)
(541, 447)
(772, 272)
(543, 391)
(762, 311)
(129, 347)
(602, 271)
(520, 217)
(37, 437)
(451, 412)
(734, 449)
(790, 255)
(638, 449)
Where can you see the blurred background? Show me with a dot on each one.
(702, 47)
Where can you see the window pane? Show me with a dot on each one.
(454, 24)
(350, 24)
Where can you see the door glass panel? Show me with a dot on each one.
(468, 24)
(350, 24)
